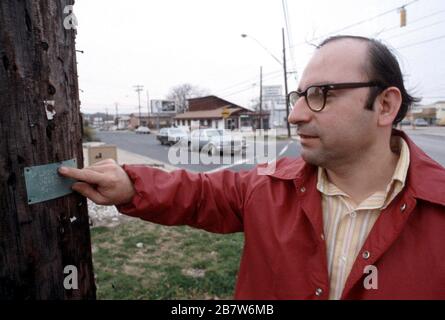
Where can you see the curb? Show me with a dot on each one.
(127, 157)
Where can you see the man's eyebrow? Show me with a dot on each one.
(318, 83)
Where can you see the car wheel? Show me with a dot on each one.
(212, 150)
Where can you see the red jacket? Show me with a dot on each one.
(284, 255)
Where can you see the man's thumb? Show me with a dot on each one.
(88, 191)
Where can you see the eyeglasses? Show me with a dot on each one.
(316, 95)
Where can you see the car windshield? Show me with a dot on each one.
(213, 133)
(176, 131)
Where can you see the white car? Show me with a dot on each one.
(172, 136)
(142, 130)
(215, 141)
(420, 122)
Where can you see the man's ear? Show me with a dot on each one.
(388, 105)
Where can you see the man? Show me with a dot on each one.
(360, 216)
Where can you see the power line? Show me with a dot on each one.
(249, 84)
(427, 16)
(434, 97)
(249, 88)
(421, 42)
(414, 21)
(289, 35)
(246, 86)
(286, 17)
(366, 20)
(249, 80)
(354, 24)
(414, 30)
(401, 34)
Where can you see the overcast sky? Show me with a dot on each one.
(160, 44)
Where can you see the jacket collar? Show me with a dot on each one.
(425, 179)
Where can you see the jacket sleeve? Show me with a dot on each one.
(213, 202)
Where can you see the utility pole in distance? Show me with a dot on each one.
(106, 119)
(148, 108)
(285, 72)
(261, 98)
(116, 105)
(138, 88)
(285, 85)
(42, 242)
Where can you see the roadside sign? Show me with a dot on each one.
(102, 152)
(225, 113)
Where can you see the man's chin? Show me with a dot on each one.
(311, 158)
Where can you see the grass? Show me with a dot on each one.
(173, 263)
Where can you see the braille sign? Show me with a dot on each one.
(44, 183)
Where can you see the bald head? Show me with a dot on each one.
(343, 60)
(377, 61)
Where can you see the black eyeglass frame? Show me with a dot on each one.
(330, 86)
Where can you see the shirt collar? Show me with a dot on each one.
(380, 199)
(425, 177)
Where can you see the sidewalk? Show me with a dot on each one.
(126, 157)
(108, 216)
(436, 131)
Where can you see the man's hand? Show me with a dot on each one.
(105, 182)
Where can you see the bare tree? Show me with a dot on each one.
(182, 92)
(41, 243)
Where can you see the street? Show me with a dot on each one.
(148, 146)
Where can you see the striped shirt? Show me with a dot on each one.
(347, 225)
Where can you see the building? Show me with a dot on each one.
(214, 112)
(97, 122)
(439, 109)
(162, 106)
(151, 120)
(123, 122)
(274, 102)
(162, 113)
(433, 113)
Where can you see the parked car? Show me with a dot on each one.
(405, 122)
(142, 130)
(235, 136)
(172, 135)
(420, 122)
(215, 141)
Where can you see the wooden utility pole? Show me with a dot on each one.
(138, 88)
(261, 98)
(40, 124)
(285, 85)
(116, 120)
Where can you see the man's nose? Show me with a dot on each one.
(300, 112)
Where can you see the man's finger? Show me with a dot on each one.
(88, 191)
(101, 168)
(86, 175)
(102, 162)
